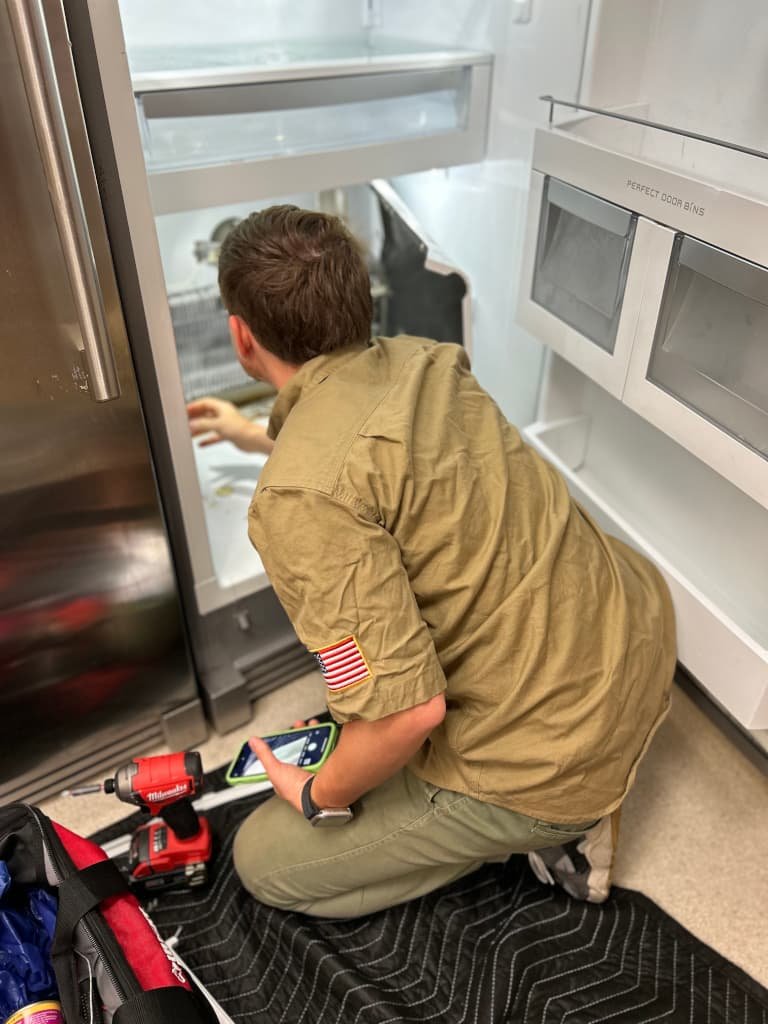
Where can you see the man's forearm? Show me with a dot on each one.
(254, 439)
(368, 753)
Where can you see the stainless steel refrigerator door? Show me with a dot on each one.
(92, 648)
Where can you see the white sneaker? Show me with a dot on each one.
(582, 867)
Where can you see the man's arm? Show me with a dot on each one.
(222, 421)
(367, 754)
(340, 577)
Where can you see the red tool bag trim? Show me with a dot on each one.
(151, 962)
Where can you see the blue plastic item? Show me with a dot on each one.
(27, 923)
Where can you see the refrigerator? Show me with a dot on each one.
(487, 221)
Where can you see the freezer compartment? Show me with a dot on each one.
(711, 346)
(415, 290)
(582, 258)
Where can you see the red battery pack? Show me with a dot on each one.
(158, 859)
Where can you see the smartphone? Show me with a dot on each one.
(307, 747)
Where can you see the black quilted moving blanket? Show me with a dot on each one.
(495, 946)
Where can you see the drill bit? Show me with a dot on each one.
(95, 787)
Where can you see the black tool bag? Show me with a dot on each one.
(110, 964)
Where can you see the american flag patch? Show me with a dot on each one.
(342, 664)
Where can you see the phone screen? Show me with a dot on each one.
(305, 749)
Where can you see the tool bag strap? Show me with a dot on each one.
(163, 1006)
(81, 892)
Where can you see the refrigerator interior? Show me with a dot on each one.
(462, 208)
(409, 297)
(473, 211)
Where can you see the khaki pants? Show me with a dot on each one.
(408, 837)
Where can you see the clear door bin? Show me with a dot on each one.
(711, 345)
(582, 257)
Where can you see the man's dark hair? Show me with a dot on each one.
(299, 281)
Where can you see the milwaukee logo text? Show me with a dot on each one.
(165, 794)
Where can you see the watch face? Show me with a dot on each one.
(329, 817)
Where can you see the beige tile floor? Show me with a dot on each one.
(694, 828)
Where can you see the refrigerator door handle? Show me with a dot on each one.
(40, 82)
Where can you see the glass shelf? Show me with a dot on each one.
(285, 55)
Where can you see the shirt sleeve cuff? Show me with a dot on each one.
(377, 698)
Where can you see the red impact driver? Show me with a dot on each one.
(173, 853)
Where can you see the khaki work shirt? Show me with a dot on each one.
(419, 546)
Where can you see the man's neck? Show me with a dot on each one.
(282, 375)
(276, 372)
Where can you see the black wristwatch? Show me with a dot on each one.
(322, 816)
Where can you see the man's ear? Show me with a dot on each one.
(242, 339)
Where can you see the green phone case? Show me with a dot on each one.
(332, 737)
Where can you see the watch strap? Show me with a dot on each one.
(308, 805)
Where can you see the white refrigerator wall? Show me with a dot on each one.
(197, 22)
(470, 24)
(476, 213)
(693, 64)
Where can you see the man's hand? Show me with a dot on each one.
(221, 421)
(367, 754)
(287, 780)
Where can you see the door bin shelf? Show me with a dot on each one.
(711, 346)
(237, 132)
(582, 259)
(578, 295)
(700, 373)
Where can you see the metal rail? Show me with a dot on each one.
(652, 124)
